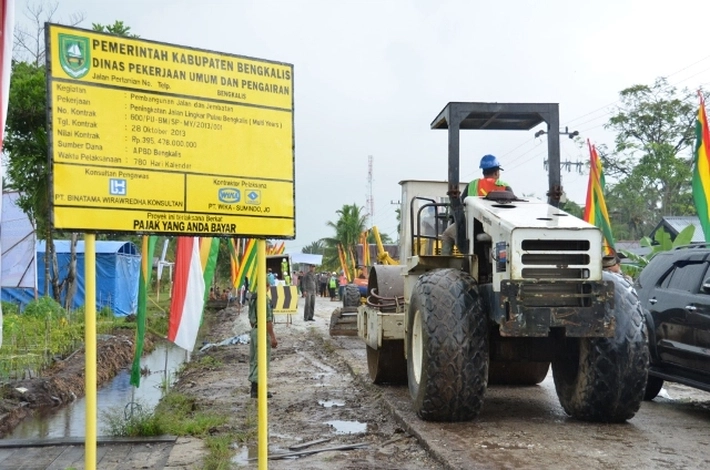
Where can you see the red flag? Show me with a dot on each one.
(7, 22)
(188, 297)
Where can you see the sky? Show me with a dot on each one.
(370, 76)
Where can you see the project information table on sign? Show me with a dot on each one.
(156, 138)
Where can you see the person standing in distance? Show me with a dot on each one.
(284, 268)
(253, 343)
(332, 285)
(308, 284)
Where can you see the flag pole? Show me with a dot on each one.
(165, 371)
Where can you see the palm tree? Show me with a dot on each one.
(315, 248)
(350, 224)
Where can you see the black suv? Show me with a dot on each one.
(674, 289)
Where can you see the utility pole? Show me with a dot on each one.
(370, 198)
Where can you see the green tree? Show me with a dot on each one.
(348, 227)
(314, 248)
(117, 29)
(573, 208)
(223, 269)
(26, 142)
(652, 158)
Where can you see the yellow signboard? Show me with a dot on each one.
(157, 138)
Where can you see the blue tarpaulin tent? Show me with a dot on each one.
(117, 275)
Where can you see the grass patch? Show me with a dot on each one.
(34, 338)
(220, 452)
(207, 362)
(132, 421)
(177, 414)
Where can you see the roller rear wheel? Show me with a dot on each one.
(387, 363)
(447, 356)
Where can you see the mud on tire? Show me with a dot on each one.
(603, 379)
(447, 347)
(351, 296)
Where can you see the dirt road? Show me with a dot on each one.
(526, 428)
(316, 397)
(321, 391)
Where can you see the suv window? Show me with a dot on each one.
(686, 277)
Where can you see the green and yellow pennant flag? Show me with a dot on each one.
(234, 246)
(247, 264)
(209, 250)
(595, 211)
(143, 288)
(701, 170)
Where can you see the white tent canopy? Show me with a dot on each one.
(17, 238)
(306, 258)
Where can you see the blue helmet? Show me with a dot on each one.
(489, 162)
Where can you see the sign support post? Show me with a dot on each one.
(90, 350)
(261, 359)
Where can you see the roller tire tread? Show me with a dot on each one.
(612, 373)
(455, 358)
(351, 296)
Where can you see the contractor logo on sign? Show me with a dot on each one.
(254, 197)
(74, 55)
(117, 186)
(229, 195)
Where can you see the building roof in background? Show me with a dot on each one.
(631, 246)
(675, 224)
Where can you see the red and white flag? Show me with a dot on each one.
(188, 297)
(7, 23)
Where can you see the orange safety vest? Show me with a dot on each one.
(483, 186)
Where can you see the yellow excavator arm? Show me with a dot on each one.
(382, 256)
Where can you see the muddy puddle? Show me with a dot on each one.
(70, 421)
(331, 403)
(347, 427)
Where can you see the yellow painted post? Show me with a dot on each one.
(90, 350)
(261, 359)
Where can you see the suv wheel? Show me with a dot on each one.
(653, 387)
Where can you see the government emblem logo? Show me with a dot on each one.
(74, 55)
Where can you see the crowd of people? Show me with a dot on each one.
(220, 294)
